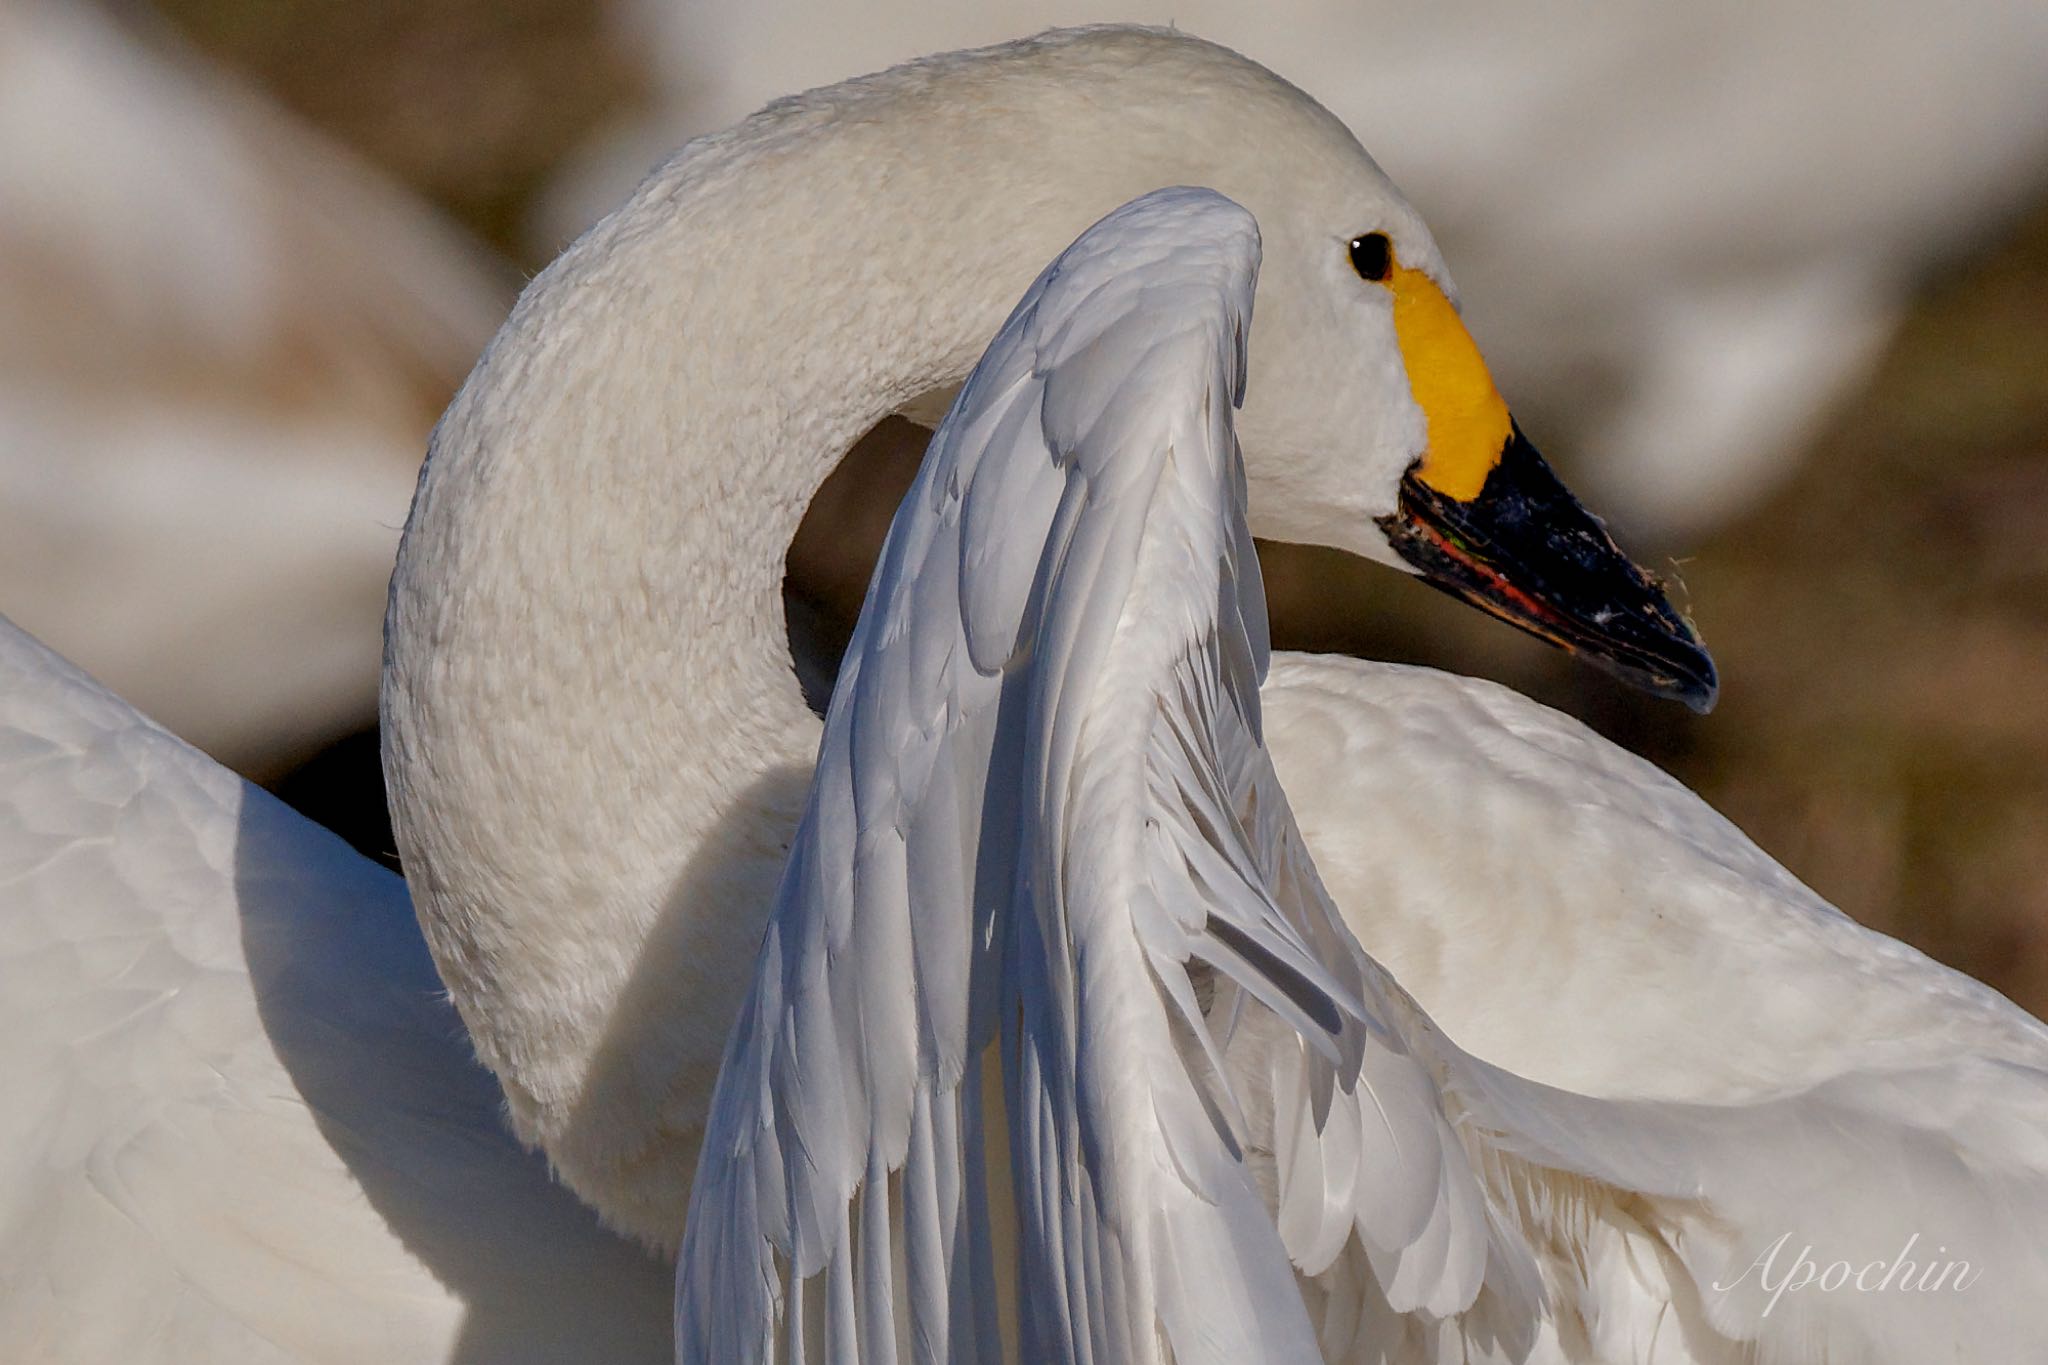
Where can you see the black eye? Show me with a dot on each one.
(1372, 256)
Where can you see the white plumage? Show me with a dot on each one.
(599, 757)
(242, 1123)
(1043, 823)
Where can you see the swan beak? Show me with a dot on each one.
(1524, 549)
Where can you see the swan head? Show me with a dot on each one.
(1373, 425)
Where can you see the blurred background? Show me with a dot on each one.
(1769, 286)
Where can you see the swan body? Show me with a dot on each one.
(242, 1124)
(1043, 825)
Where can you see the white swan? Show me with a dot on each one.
(636, 715)
(597, 752)
(1048, 899)
(225, 341)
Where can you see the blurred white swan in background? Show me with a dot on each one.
(1732, 210)
(601, 754)
(222, 342)
(1050, 980)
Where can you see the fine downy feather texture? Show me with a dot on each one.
(1044, 831)
(241, 1122)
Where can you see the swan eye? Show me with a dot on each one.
(1372, 256)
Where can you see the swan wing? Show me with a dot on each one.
(851, 1197)
(1439, 1207)
(242, 1123)
(1844, 1131)
(1884, 1216)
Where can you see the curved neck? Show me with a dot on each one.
(595, 745)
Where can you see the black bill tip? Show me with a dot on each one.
(1527, 551)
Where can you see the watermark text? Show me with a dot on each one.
(1910, 1271)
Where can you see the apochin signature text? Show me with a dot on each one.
(1899, 1274)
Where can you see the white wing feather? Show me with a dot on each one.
(242, 1123)
(918, 919)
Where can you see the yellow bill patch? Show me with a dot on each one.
(1468, 420)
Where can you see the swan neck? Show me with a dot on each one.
(595, 743)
